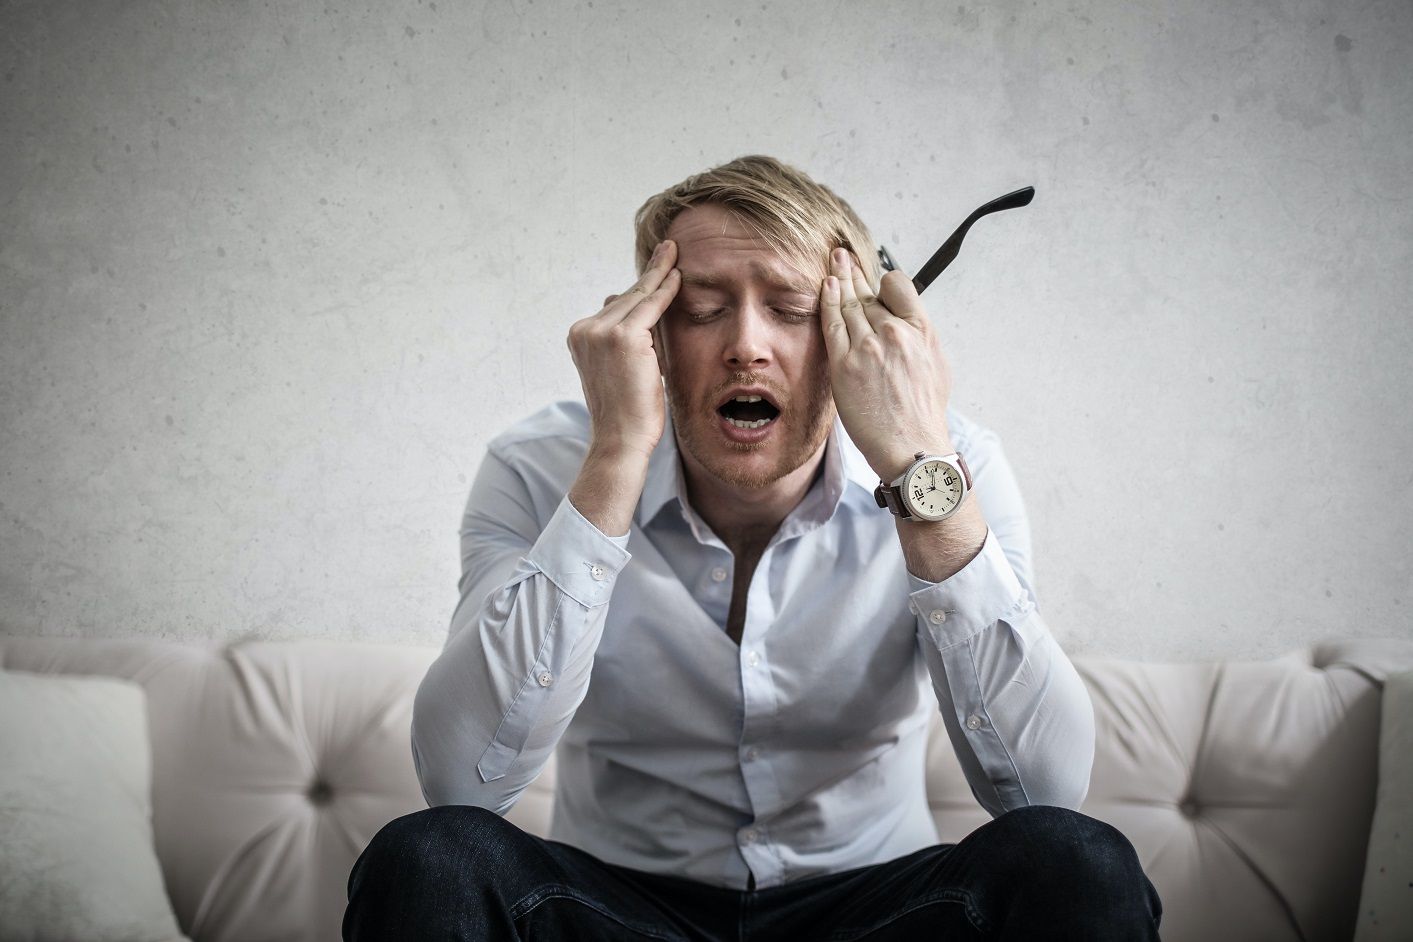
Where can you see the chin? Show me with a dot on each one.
(748, 472)
(755, 466)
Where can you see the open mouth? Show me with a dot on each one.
(748, 411)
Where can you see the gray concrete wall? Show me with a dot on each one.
(274, 273)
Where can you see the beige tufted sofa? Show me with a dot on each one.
(1247, 787)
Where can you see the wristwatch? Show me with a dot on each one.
(932, 488)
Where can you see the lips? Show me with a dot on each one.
(747, 414)
(747, 392)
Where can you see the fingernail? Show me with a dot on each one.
(657, 251)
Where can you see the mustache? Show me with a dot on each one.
(749, 378)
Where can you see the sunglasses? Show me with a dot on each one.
(948, 252)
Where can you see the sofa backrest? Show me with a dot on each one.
(1247, 788)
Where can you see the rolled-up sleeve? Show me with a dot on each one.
(520, 650)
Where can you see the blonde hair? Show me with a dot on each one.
(802, 220)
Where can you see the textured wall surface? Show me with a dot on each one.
(272, 274)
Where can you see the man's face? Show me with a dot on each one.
(743, 324)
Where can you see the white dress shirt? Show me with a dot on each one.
(796, 753)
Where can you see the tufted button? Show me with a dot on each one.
(319, 793)
(1188, 808)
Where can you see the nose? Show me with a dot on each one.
(748, 339)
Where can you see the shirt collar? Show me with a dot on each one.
(843, 464)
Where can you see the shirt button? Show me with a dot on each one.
(750, 836)
(545, 678)
(718, 574)
(937, 616)
(598, 573)
(752, 754)
(973, 722)
(752, 658)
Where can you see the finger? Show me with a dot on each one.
(649, 310)
(849, 305)
(831, 320)
(898, 292)
(664, 257)
(875, 310)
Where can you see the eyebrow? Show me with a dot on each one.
(770, 277)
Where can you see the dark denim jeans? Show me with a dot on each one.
(457, 872)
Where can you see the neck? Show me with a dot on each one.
(746, 518)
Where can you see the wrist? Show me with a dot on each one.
(937, 550)
(619, 453)
(608, 488)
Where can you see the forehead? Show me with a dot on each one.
(715, 249)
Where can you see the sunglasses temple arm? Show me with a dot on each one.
(945, 255)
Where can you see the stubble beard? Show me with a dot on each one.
(805, 420)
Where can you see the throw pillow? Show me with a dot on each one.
(76, 854)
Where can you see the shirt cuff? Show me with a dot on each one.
(982, 593)
(578, 557)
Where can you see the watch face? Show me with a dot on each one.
(933, 490)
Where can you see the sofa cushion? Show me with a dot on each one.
(274, 763)
(1386, 905)
(1247, 787)
(76, 853)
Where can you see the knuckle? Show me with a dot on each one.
(896, 277)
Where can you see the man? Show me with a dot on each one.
(700, 604)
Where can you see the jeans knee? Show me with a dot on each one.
(467, 834)
(1061, 841)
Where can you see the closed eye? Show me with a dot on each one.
(784, 313)
(791, 315)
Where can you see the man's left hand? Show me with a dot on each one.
(891, 380)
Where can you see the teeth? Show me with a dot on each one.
(756, 424)
(748, 398)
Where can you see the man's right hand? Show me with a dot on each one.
(613, 351)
